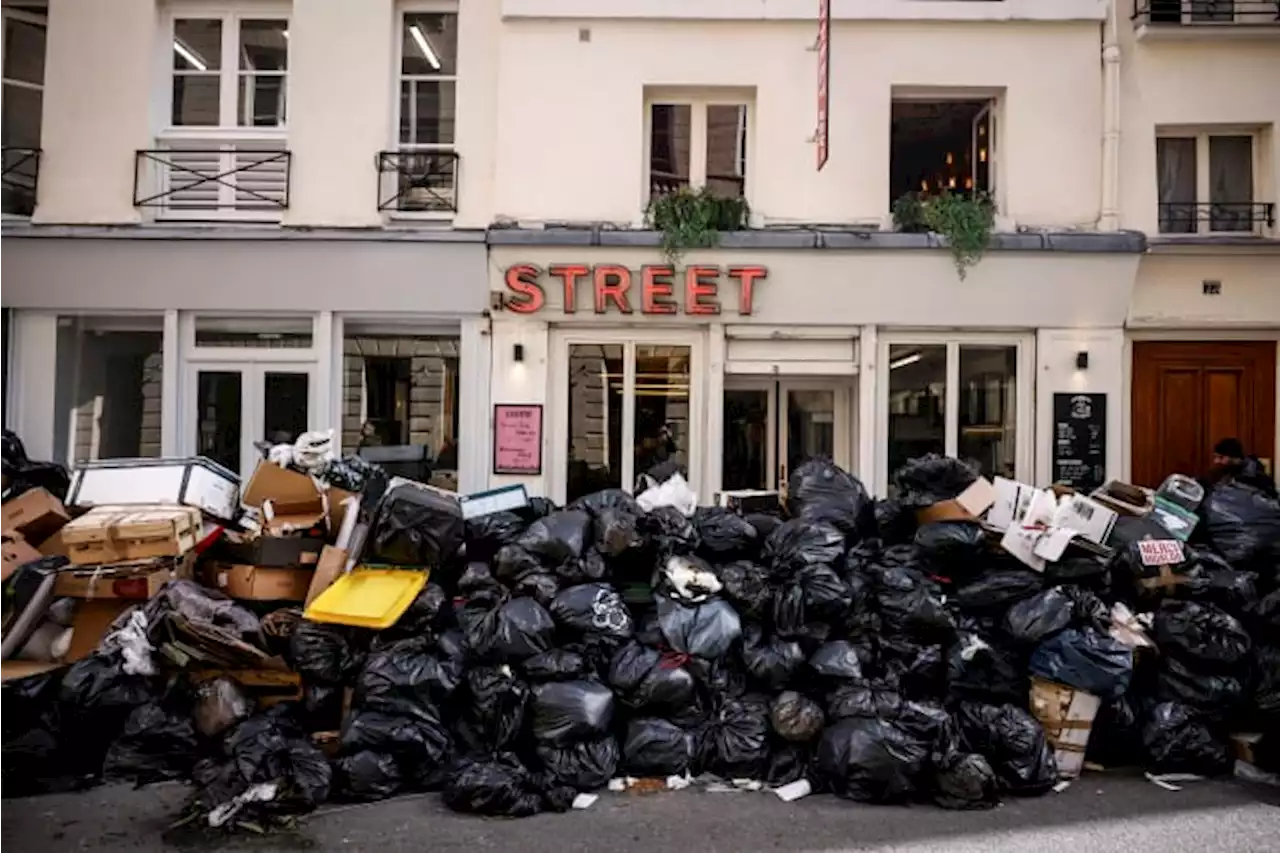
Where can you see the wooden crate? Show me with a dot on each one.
(107, 535)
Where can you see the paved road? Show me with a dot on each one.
(1100, 813)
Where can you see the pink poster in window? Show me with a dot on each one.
(517, 439)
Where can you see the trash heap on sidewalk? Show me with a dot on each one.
(331, 634)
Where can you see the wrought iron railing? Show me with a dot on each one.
(18, 181)
(1215, 217)
(418, 181)
(663, 183)
(191, 181)
(1176, 13)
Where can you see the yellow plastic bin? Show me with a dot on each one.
(369, 597)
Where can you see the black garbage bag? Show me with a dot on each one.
(415, 526)
(1264, 703)
(565, 712)
(1013, 742)
(1213, 694)
(1242, 523)
(798, 543)
(724, 534)
(966, 783)
(994, 592)
(431, 612)
(951, 547)
(409, 680)
(707, 630)
(511, 631)
(497, 785)
(771, 661)
(1116, 737)
(837, 661)
(983, 669)
(671, 531)
(157, 744)
(1201, 634)
(321, 709)
(795, 717)
(512, 563)
(478, 578)
(542, 587)
(615, 521)
(871, 759)
(493, 709)
(559, 537)
(1177, 740)
(421, 747)
(1087, 660)
(21, 474)
(877, 698)
(651, 681)
(788, 762)
(589, 567)
(1083, 570)
(593, 608)
(735, 741)
(912, 605)
(746, 585)
(895, 524)
(220, 703)
(200, 604)
(931, 479)
(488, 533)
(819, 491)
(1039, 617)
(919, 669)
(325, 654)
(584, 766)
(99, 684)
(554, 665)
(350, 473)
(656, 747)
(366, 776)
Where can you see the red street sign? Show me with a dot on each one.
(824, 77)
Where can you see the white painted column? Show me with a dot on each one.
(34, 381)
(337, 376)
(713, 392)
(321, 415)
(170, 398)
(474, 422)
(868, 427)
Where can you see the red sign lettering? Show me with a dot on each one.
(611, 287)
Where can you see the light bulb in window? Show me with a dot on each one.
(982, 155)
(951, 158)
(924, 186)
(951, 183)
(968, 183)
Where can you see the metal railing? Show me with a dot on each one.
(187, 181)
(664, 183)
(18, 180)
(1194, 13)
(418, 181)
(1176, 217)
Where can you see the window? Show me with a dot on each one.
(425, 164)
(229, 72)
(24, 37)
(698, 143)
(938, 146)
(958, 398)
(1206, 184)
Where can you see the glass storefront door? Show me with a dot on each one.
(771, 426)
(238, 404)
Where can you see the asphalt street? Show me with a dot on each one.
(1102, 812)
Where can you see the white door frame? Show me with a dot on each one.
(1025, 439)
(555, 445)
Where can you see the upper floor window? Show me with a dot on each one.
(1206, 184)
(229, 71)
(696, 143)
(943, 145)
(24, 36)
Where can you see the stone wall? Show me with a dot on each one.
(433, 365)
(118, 387)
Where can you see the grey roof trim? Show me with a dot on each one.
(1168, 244)
(249, 233)
(1124, 242)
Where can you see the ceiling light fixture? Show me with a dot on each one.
(189, 55)
(424, 46)
(905, 360)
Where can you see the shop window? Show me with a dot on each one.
(22, 99)
(661, 408)
(108, 398)
(956, 399)
(596, 379)
(404, 390)
(1206, 184)
(698, 143)
(942, 146)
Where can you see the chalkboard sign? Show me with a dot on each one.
(1080, 440)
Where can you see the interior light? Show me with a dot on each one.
(950, 158)
(905, 360)
(424, 46)
(189, 55)
(951, 182)
(982, 155)
(286, 33)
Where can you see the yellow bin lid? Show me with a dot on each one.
(368, 597)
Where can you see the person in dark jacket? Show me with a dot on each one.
(1231, 462)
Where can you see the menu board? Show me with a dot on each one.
(517, 439)
(1080, 440)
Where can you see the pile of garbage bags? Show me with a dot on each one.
(839, 639)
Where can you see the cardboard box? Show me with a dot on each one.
(279, 552)
(35, 514)
(128, 581)
(92, 619)
(969, 505)
(55, 546)
(107, 535)
(14, 552)
(1067, 717)
(258, 583)
(291, 501)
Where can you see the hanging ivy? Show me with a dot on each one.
(966, 221)
(693, 219)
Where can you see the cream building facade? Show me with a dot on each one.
(430, 218)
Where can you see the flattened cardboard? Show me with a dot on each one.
(259, 583)
(969, 505)
(14, 552)
(333, 562)
(35, 514)
(93, 618)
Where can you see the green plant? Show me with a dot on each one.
(693, 219)
(965, 221)
(908, 214)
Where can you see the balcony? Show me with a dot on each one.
(19, 179)
(1173, 19)
(227, 182)
(418, 183)
(1216, 218)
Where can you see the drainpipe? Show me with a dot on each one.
(1110, 218)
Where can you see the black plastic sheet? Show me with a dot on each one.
(1013, 742)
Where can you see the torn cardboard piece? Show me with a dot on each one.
(35, 514)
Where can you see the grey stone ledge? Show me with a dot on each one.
(23, 230)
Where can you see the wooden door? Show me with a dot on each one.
(1187, 396)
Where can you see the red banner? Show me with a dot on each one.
(824, 78)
